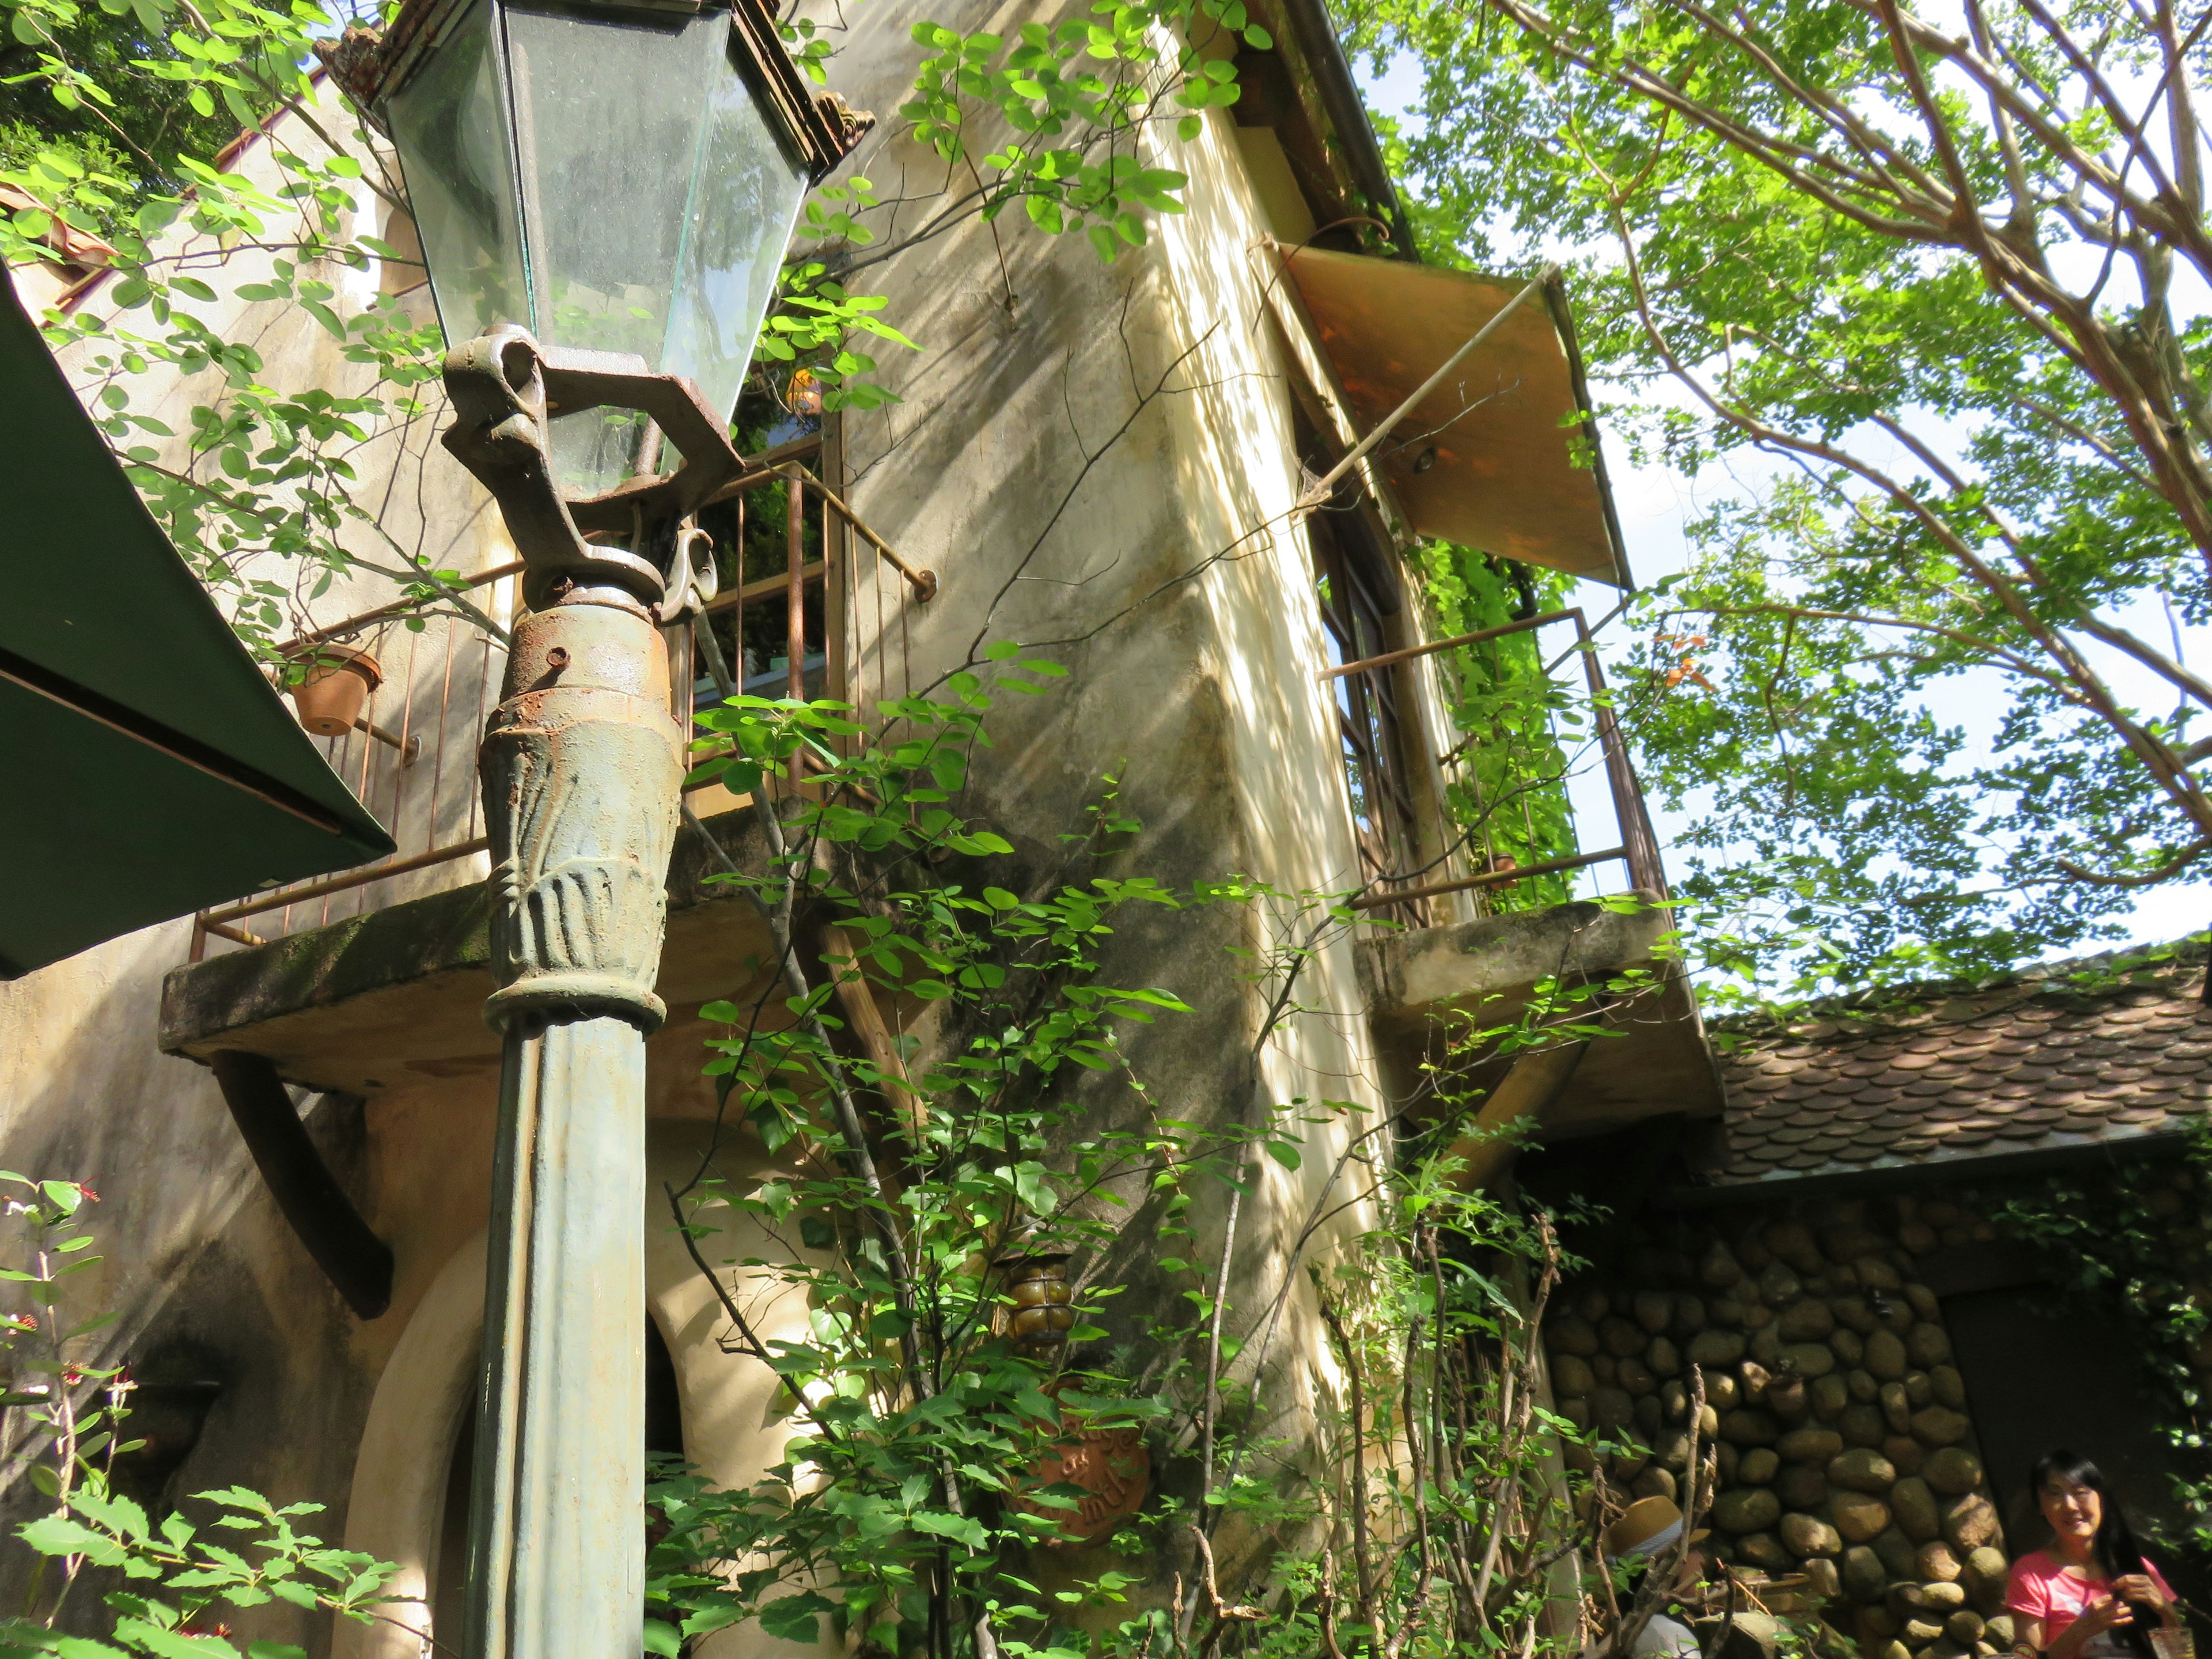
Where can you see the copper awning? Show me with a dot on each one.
(1488, 459)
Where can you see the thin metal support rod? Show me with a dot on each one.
(924, 583)
(410, 749)
(758, 588)
(1595, 628)
(1321, 491)
(1434, 645)
(1489, 878)
(1645, 873)
(1639, 845)
(397, 608)
(794, 590)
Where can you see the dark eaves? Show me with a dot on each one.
(1341, 101)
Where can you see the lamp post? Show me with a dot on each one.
(603, 192)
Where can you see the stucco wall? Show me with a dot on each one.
(1097, 461)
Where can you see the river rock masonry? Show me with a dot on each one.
(1844, 1443)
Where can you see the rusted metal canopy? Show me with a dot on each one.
(1491, 459)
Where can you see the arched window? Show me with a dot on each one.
(664, 1435)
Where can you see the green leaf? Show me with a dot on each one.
(57, 1535)
(795, 1618)
(150, 1638)
(116, 1512)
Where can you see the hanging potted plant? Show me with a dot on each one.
(333, 686)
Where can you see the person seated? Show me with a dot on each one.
(1646, 1529)
(2090, 1595)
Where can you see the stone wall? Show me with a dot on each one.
(1843, 1446)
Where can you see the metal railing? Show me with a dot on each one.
(412, 756)
(1639, 846)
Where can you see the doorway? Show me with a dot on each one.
(2042, 1372)
(449, 1578)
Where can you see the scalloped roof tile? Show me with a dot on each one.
(2077, 1056)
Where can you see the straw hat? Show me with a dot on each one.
(1646, 1526)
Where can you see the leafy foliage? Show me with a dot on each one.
(167, 1574)
(1508, 792)
(119, 122)
(913, 1175)
(1930, 263)
(908, 1488)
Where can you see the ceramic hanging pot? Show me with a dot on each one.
(336, 688)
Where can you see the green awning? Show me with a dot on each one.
(150, 770)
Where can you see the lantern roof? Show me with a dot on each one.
(370, 66)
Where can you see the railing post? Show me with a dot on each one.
(794, 618)
(1645, 873)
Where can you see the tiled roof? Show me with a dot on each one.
(2063, 1058)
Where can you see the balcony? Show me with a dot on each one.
(394, 994)
(376, 977)
(1431, 984)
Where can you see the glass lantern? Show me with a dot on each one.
(613, 178)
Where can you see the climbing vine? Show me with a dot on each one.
(1505, 784)
(928, 1180)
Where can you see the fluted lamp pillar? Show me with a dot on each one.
(604, 194)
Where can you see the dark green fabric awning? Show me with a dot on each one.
(150, 770)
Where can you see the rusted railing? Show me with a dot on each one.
(412, 756)
(1638, 847)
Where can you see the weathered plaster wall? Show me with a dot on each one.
(1097, 461)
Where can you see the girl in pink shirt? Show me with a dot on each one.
(2090, 1595)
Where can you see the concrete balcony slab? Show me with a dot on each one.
(1422, 985)
(390, 997)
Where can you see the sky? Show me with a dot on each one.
(1655, 504)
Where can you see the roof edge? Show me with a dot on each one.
(2089, 974)
(1924, 1171)
(1347, 113)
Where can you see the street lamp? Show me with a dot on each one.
(604, 194)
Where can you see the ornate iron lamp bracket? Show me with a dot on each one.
(507, 388)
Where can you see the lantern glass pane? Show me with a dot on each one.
(656, 205)
(450, 124)
(745, 191)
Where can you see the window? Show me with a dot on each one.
(750, 619)
(1359, 591)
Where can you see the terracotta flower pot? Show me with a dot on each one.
(339, 680)
(1110, 1467)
